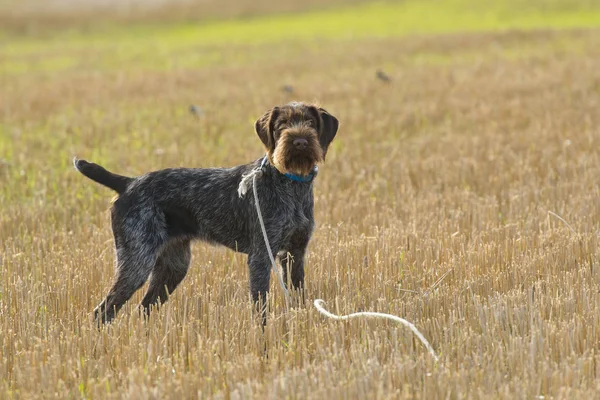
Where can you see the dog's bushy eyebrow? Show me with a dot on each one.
(296, 113)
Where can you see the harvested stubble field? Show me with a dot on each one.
(464, 196)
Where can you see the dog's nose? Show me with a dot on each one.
(300, 143)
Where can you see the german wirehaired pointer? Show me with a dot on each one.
(156, 215)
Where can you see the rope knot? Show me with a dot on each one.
(247, 181)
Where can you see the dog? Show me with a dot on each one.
(156, 215)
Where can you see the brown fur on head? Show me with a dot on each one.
(296, 136)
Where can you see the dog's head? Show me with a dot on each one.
(296, 136)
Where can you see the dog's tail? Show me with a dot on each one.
(95, 172)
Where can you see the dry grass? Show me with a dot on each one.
(463, 196)
(44, 16)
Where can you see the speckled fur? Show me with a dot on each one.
(156, 215)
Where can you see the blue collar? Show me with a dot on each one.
(306, 178)
(294, 177)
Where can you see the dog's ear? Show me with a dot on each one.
(328, 129)
(265, 127)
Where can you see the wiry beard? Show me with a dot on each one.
(288, 159)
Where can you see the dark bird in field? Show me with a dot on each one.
(196, 111)
(287, 89)
(382, 76)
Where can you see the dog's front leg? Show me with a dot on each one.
(259, 265)
(292, 264)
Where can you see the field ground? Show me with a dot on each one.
(463, 196)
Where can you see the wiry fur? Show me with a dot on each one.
(156, 215)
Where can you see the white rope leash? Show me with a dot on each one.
(319, 305)
(264, 231)
(242, 189)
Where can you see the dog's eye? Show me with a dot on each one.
(310, 123)
(282, 123)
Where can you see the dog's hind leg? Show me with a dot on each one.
(138, 244)
(131, 275)
(170, 269)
